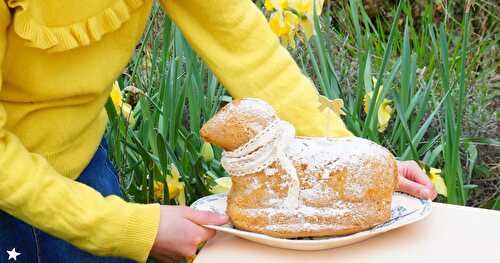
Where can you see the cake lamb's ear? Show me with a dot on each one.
(237, 123)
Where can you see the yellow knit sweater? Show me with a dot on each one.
(59, 59)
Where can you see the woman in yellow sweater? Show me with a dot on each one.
(59, 195)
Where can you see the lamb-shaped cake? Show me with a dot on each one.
(286, 186)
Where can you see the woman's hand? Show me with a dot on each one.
(414, 181)
(180, 231)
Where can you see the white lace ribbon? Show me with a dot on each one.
(260, 152)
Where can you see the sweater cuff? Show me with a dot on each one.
(140, 232)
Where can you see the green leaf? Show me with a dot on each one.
(496, 205)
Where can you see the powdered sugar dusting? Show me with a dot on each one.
(301, 211)
(300, 216)
(317, 191)
(327, 155)
(253, 185)
(270, 171)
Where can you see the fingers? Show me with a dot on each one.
(180, 232)
(205, 217)
(414, 181)
(416, 189)
(412, 171)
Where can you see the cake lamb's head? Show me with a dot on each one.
(238, 122)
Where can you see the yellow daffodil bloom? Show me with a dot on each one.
(438, 181)
(116, 96)
(292, 22)
(223, 185)
(290, 16)
(177, 186)
(285, 25)
(271, 5)
(305, 10)
(384, 111)
(120, 106)
(173, 188)
(305, 7)
(277, 24)
(158, 191)
(307, 26)
(268, 4)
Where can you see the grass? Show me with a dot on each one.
(432, 71)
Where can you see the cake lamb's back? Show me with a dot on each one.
(287, 186)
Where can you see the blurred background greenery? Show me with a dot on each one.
(434, 66)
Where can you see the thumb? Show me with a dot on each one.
(205, 217)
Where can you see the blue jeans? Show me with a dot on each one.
(37, 246)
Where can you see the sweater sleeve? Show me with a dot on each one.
(34, 192)
(234, 39)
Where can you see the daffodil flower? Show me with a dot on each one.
(438, 181)
(124, 108)
(272, 5)
(116, 96)
(177, 186)
(305, 9)
(384, 111)
(223, 185)
(291, 16)
(174, 188)
(285, 25)
(158, 190)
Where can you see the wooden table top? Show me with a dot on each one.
(449, 234)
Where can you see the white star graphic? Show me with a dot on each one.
(13, 254)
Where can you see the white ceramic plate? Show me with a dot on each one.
(405, 210)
